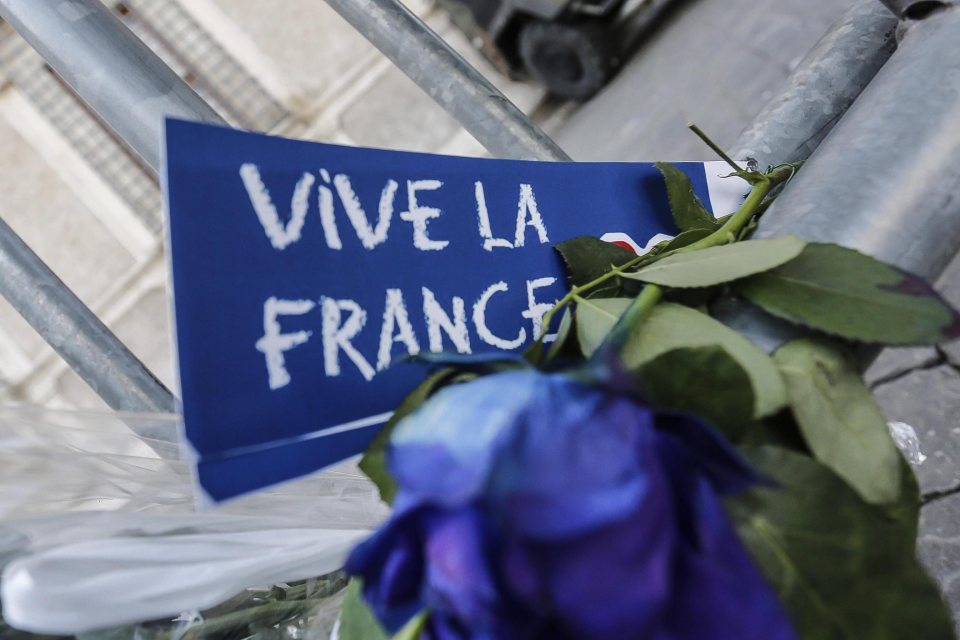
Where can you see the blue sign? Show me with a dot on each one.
(302, 270)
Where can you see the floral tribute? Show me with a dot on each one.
(654, 474)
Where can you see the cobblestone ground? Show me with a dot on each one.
(921, 387)
(716, 62)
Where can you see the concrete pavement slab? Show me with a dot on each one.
(715, 62)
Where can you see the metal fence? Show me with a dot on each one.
(80, 126)
(879, 123)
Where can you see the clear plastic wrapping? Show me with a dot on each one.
(905, 437)
(98, 531)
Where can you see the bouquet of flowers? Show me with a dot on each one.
(648, 471)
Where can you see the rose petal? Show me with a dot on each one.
(458, 578)
(391, 566)
(442, 627)
(574, 462)
(708, 450)
(720, 592)
(614, 583)
(442, 453)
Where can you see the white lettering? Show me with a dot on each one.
(480, 320)
(327, 220)
(438, 319)
(420, 216)
(369, 236)
(280, 235)
(528, 207)
(273, 344)
(489, 242)
(395, 317)
(337, 336)
(536, 310)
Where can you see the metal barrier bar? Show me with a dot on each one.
(834, 197)
(132, 90)
(117, 75)
(885, 181)
(449, 79)
(822, 87)
(75, 332)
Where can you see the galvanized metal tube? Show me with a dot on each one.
(447, 78)
(109, 67)
(75, 332)
(822, 87)
(870, 184)
(132, 90)
(885, 181)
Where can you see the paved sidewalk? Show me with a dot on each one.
(713, 62)
(717, 62)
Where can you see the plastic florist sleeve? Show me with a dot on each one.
(98, 532)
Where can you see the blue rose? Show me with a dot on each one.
(536, 506)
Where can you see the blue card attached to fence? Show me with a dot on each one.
(302, 270)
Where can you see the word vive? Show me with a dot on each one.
(302, 271)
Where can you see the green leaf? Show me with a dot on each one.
(699, 299)
(716, 265)
(357, 621)
(595, 319)
(588, 258)
(413, 629)
(839, 418)
(687, 209)
(845, 570)
(374, 461)
(563, 334)
(778, 430)
(670, 326)
(682, 240)
(705, 381)
(535, 353)
(906, 510)
(845, 293)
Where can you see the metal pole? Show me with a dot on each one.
(822, 87)
(885, 181)
(860, 187)
(447, 78)
(109, 67)
(75, 332)
(132, 90)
